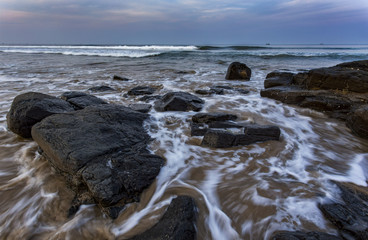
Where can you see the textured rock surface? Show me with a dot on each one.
(358, 121)
(81, 100)
(238, 71)
(29, 108)
(179, 101)
(102, 88)
(141, 90)
(298, 235)
(178, 222)
(101, 151)
(212, 117)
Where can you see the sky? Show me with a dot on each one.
(183, 22)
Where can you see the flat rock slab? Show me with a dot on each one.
(29, 108)
(350, 215)
(179, 101)
(101, 151)
(253, 133)
(299, 235)
(81, 100)
(178, 222)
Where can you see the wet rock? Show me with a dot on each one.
(221, 90)
(200, 129)
(143, 108)
(275, 79)
(102, 88)
(252, 133)
(238, 71)
(102, 153)
(351, 215)
(149, 98)
(81, 100)
(212, 117)
(177, 223)
(29, 108)
(358, 121)
(141, 90)
(299, 235)
(179, 101)
(118, 78)
(204, 91)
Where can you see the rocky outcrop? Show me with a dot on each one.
(101, 152)
(81, 100)
(238, 71)
(179, 101)
(350, 215)
(358, 121)
(338, 91)
(252, 133)
(177, 223)
(141, 90)
(299, 235)
(29, 108)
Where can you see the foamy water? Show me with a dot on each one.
(246, 192)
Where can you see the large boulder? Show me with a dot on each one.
(102, 152)
(178, 222)
(358, 121)
(29, 108)
(81, 100)
(350, 215)
(179, 101)
(275, 79)
(238, 71)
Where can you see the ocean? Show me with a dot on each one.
(245, 192)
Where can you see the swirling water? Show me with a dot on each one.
(245, 192)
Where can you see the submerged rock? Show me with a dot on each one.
(102, 88)
(101, 151)
(179, 101)
(299, 235)
(29, 108)
(177, 223)
(238, 71)
(118, 78)
(81, 100)
(252, 133)
(141, 90)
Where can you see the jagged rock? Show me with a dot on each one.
(299, 235)
(81, 100)
(252, 133)
(238, 71)
(143, 108)
(118, 78)
(29, 108)
(141, 90)
(351, 215)
(178, 222)
(179, 101)
(212, 117)
(101, 89)
(275, 79)
(101, 151)
(358, 121)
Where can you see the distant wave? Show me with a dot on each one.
(204, 48)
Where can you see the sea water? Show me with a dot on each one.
(245, 192)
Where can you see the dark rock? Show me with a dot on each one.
(290, 95)
(216, 90)
(118, 78)
(101, 151)
(178, 222)
(141, 90)
(238, 71)
(204, 91)
(275, 79)
(149, 98)
(221, 90)
(213, 117)
(179, 101)
(351, 215)
(101, 89)
(252, 133)
(299, 235)
(29, 108)
(358, 121)
(200, 129)
(143, 108)
(220, 124)
(186, 72)
(81, 100)
(241, 91)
